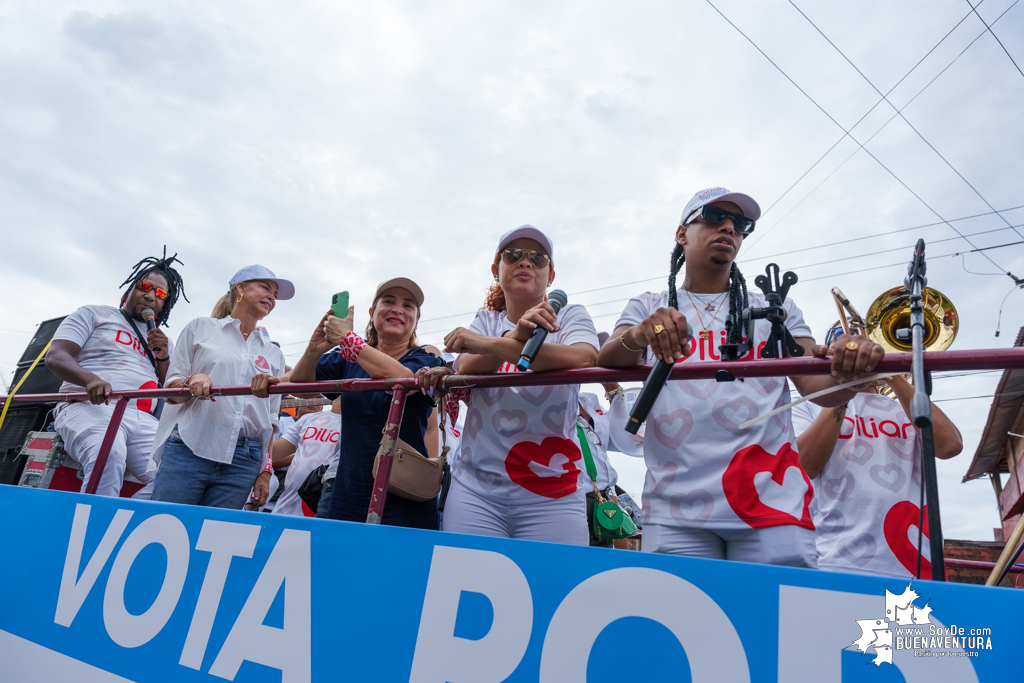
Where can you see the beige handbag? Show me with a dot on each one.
(413, 476)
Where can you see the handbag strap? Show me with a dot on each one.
(588, 458)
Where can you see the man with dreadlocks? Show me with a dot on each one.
(104, 349)
(712, 489)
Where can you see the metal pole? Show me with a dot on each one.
(1004, 558)
(108, 442)
(921, 411)
(387, 456)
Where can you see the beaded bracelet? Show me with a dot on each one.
(609, 395)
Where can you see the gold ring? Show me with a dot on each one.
(658, 329)
(852, 346)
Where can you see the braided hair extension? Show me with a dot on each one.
(175, 285)
(738, 302)
(738, 299)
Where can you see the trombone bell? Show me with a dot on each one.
(890, 313)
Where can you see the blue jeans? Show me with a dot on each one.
(186, 478)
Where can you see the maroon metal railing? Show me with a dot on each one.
(982, 359)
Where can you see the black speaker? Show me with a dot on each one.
(41, 381)
(20, 420)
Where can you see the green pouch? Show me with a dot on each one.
(610, 521)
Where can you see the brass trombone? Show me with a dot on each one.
(889, 315)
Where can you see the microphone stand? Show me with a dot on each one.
(780, 342)
(921, 412)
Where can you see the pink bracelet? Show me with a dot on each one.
(350, 347)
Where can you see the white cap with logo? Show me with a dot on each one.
(530, 232)
(404, 283)
(748, 207)
(285, 289)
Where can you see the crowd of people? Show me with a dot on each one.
(832, 483)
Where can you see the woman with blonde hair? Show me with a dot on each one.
(389, 350)
(213, 451)
(517, 474)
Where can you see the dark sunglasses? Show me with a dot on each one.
(513, 256)
(713, 214)
(148, 287)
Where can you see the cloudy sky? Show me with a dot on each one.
(344, 143)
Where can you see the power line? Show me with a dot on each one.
(899, 112)
(861, 145)
(884, 125)
(873, 107)
(974, 8)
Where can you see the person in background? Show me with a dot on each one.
(104, 349)
(389, 350)
(213, 451)
(593, 425)
(517, 472)
(864, 458)
(305, 446)
(701, 496)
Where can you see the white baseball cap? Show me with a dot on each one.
(532, 233)
(285, 289)
(748, 207)
(404, 283)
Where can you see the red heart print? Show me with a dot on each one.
(262, 363)
(523, 454)
(742, 495)
(146, 404)
(896, 526)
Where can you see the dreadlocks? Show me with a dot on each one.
(175, 286)
(737, 294)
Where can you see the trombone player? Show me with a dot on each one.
(864, 457)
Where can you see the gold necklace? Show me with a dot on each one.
(704, 328)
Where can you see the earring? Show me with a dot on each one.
(239, 299)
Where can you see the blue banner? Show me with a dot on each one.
(99, 589)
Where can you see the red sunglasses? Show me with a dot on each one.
(148, 287)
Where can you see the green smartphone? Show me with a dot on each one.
(339, 304)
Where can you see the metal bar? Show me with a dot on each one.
(1004, 557)
(387, 456)
(108, 442)
(937, 361)
(974, 564)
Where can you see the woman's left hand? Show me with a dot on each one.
(335, 328)
(260, 491)
(260, 384)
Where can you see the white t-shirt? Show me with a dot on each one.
(867, 496)
(520, 445)
(702, 471)
(110, 349)
(314, 437)
(599, 440)
(618, 417)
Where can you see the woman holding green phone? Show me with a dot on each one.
(388, 350)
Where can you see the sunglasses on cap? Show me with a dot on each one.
(513, 256)
(713, 214)
(148, 287)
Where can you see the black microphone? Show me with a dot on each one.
(148, 315)
(557, 299)
(652, 388)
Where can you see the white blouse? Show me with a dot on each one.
(210, 428)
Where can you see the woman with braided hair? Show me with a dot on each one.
(714, 490)
(103, 349)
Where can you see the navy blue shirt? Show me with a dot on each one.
(362, 417)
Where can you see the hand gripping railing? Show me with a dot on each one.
(984, 359)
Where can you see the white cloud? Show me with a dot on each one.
(344, 143)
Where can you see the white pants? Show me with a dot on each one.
(562, 520)
(788, 545)
(82, 426)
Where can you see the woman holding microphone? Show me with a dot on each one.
(389, 350)
(517, 475)
(209, 451)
